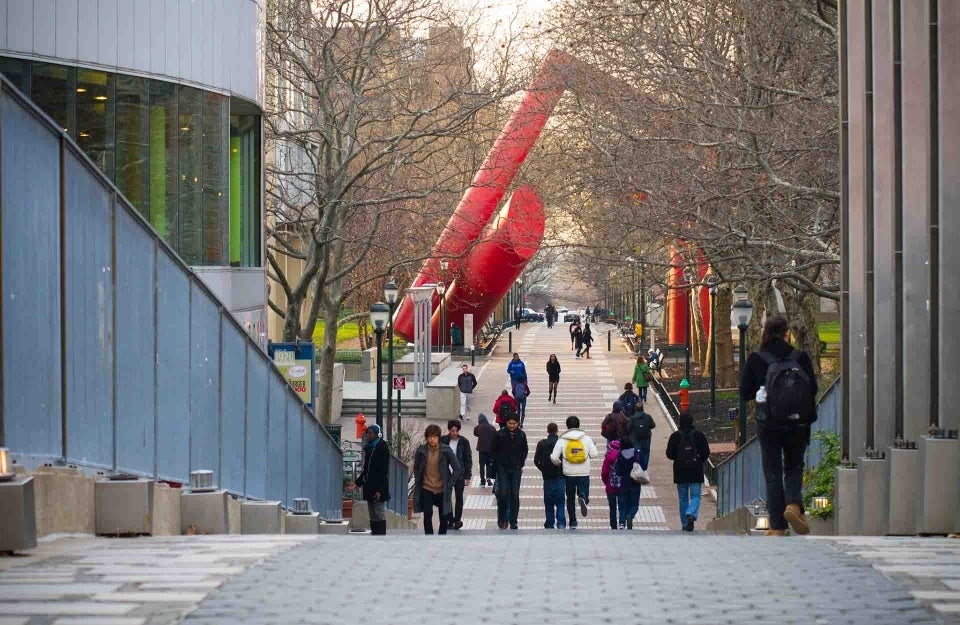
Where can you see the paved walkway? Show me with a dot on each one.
(588, 388)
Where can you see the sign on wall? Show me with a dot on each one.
(468, 329)
(295, 362)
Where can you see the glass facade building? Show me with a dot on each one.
(188, 159)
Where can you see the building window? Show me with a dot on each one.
(17, 71)
(96, 99)
(133, 141)
(245, 190)
(215, 173)
(189, 152)
(54, 89)
(164, 132)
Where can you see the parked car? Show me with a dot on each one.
(570, 317)
(529, 314)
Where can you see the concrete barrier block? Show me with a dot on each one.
(124, 507)
(234, 515)
(846, 501)
(261, 517)
(206, 513)
(166, 510)
(334, 527)
(873, 492)
(905, 483)
(65, 501)
(939, 497)
(302, 523)
(443, 403)
(18, 521)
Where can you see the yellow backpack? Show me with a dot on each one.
(575, 452)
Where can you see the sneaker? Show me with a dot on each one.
(622, 527)
(513, 526)
(583, 505)
(797, 520)
(688, 524)
(775, 533)
(629, 525)
(573, 526)
(503, 526)
(458, 525)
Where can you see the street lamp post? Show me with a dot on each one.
(713, 281)
(379, 314)
(441, 289)
(742, 312)
(390, 293)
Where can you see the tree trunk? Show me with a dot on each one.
(328, 353)
(801, 314)
(727, 374)
(291, 320)
(698, 339)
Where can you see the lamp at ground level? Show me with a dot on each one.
(379, 315)
(821, 503)
(763, 523)
(5, 473)
(741, 313)
(390, 293)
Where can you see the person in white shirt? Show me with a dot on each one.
(460, 447)
(573, 452)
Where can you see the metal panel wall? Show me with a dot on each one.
(107, 31)
(88, 289)
(295, 447)
(915, 370)
(312, 441)
(44, 27)
(277, 443)
(205, 359)
(233, 404)
(173, 369)
(140, 59)
(257, 433)
(66, 29)
(20, 26)
(136, 355)
(87, 25)
(949, 125)
(29, 170)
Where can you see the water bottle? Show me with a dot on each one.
(762, 395)
(761, 400)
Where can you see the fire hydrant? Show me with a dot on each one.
(361, 422)
(684, 394)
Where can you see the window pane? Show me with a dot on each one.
(53, 89)
(17, 71)
(164, 132)
(190, 185)
(133, 142)
(214, 194)
(95, 106)
(245, 190)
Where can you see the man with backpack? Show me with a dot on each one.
(510, 451)
(641, 430)
(573, 452)
(614, 425)
(521, 390)
(782, 382)
(688, 448)
(628, 399)
(553, 489)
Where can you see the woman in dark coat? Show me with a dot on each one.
(553, 375)
(435, 469)
(587, 340)
(375, 478)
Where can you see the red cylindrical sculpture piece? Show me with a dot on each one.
(703, 268)
(492, 180)
(491, 267)
(676, 300)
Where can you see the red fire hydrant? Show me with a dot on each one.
(684, 394)
(361, 422)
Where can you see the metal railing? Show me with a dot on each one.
(399, 475)
(115, 354)
(739, 477)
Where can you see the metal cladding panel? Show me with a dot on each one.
(330, 478)
(66, 29)
(194, 45)
(915, 371)
(127, 31)
(257, 433)
(88, 27)
(173, 370)
(277, 440)
(233, 405)
(157, 39)
(89, 316)
(3, 23)
(885, 331)
(44, 27)
(143, 34)
(295, 448)
(172, 37)
(858, 205)
(19, 26)
(136, 359)
(949, 125)
(311, 450)
(204, 382)
(107, 29)
(29, 157)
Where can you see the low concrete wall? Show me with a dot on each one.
(166, 510)
(65, 501)
(361, 519)
(368, 365)
(438, 362)
(743, 521)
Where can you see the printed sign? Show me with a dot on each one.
(399, 383)
(468, 330)
(295, 363)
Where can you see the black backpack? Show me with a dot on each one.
(688, 456)
(789, 390)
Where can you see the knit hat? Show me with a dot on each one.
(617, 406)
(482, 418)
(376, 430)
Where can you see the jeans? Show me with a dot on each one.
(464, 403)
(689, 495)
(576, 484)
(508, 495)
(429, 501)
(642, 390)
(629, 501)
(642, 448)
(579, 350)
(553, 502)
(522, 409)
(782, 455)
(486, 465)
(377, 510)
(458, 499)
(612, 500)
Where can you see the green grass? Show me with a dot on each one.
(829, 332)
(345, 332)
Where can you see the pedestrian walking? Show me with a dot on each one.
(553, 488)
(521, 390)
(587, 340)
(781, 380)
(629, 499)
(516, 368)
(456, 335)
(573, 452)
(549, 311)
(615, 425)
(503, 406)
(573, 328)
(688, 448)
(641, 425)
(628, 399)
(611, 481)
(578, 340)
(461, 448)
(641, 373)
(517, 316)
(510, 451)
(466, 384)
(485, 433)
(553, 376)
(435, 469)
(374, 479)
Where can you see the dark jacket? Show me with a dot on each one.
(553, 371)
(587, 338)
(615, 426)
(485, 434)
(689, 475)
(464, 455)
(450, 471)
(510, 449)
(466, 382)
(541, 459)
(629, 399)
(578, 337)
(375, 476)
(641, 425)
(754, 375)
(515, 369)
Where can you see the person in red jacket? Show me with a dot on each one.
(503, 404)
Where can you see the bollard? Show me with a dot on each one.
(509, 341)
(473, 356)
(608, 340)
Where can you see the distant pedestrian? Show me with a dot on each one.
(573, 328)
(655, 360)
(456, 336)
(460, 447)
(549, 311)
(611, 480)
(466, 384)
(688, 448)
(573, 452)
(485, 433)
(521, 391)
(510, 451)
(641, 373)
(641, 427)
(503, 406)
(374, 479)
(516, 368)
(553, 376)
(782, 381)
(628, 399)
(587, 340)
(614, 426)
(435, 469)
(517, 316)
(578, 340)
(553, 487)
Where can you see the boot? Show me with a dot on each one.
(797, 520)
(378, 528)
